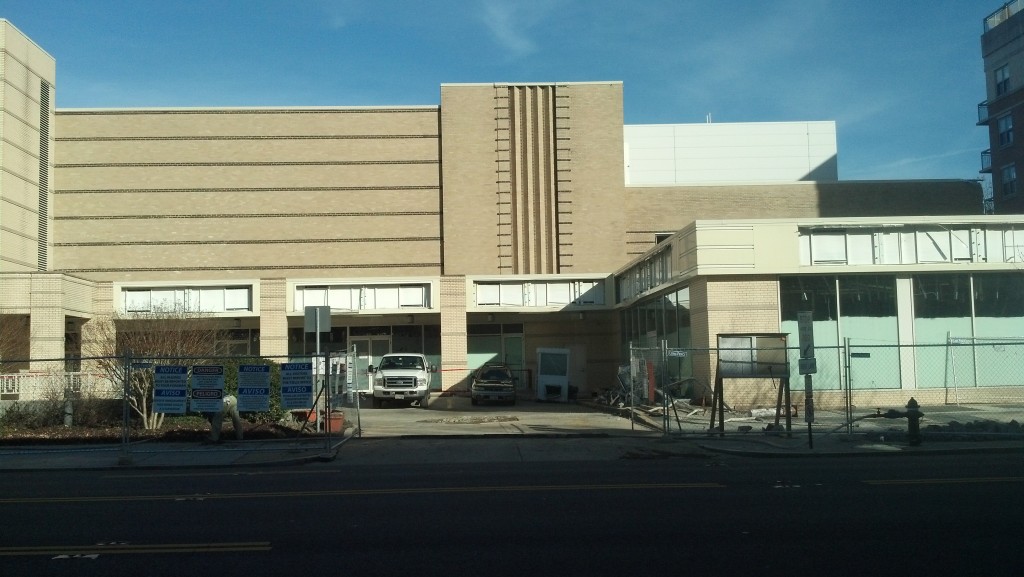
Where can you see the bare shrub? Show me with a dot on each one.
(164, 338)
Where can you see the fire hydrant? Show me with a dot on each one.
(913, 415)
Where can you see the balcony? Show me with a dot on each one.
(983, 113)
(986, 162)
(1002, 14)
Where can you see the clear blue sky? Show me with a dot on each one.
(902, 78)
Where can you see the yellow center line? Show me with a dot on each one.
(126, 549)
(351, 492)
(950, 481)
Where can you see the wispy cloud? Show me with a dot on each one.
(514, 25)
(507, 25)
(339, 13)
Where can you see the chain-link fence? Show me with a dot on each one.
(675, 386)
(282, 397)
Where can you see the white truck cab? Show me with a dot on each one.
(401, 377)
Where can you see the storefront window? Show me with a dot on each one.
(808, 293)
(942, 296)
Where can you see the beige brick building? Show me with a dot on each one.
(486, 226)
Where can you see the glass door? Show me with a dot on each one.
(513, 357)
(368, 351)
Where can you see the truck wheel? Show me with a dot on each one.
(424, 401)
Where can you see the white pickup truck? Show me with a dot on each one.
(401, 377)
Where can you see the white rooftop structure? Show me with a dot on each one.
(730, 153)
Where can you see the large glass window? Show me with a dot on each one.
(187, 299)
(942, 314)
(1000, 295)
(663, 319)
(867, 313)
(818, 295)
(867, 296)
(939, 296)
(809, 293)
(998, 332)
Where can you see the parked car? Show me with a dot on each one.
(493, 383)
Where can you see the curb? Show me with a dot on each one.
(891, 451)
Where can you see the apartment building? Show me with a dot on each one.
(1002, 49)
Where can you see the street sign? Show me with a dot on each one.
(807, 366)
(318, 319)
(805, 333)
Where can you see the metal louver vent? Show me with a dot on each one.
(44, 174)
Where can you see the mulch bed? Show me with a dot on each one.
(176, 433)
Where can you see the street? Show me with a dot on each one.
(646, 513)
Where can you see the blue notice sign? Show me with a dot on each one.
(170, 389)
(296, 386)
(254, 388)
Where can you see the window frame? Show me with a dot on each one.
(1008, 186)
(1002, 79)
(1004, 127)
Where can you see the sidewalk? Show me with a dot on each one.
(170, 455)
(545, 431)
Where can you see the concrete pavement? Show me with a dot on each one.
(453, 431)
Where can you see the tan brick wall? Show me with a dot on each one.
(592, 222)
(667, 209)
(236, 193)
(15, 293)
(273, 320)
(469, 174)
(102, 312)
(47, 322)
(497, 191)
(453, 332)
(744, 305)
(23, 68)
(22, 49)
(79, 296)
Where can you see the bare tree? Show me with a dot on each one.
(164, 338)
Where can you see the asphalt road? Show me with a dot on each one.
(641, 513)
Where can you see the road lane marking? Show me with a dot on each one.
(190, 474)
(950, 481)
(360, 492)
(127, 549)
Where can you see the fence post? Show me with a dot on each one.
(126, 371)
(326, 423)
(663, 361)
(848, 397)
